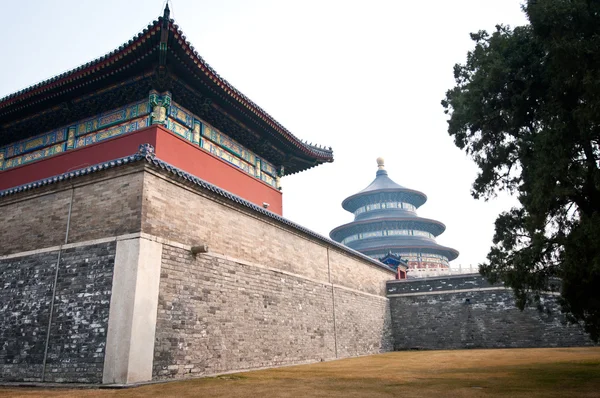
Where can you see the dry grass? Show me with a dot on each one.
(558, 372)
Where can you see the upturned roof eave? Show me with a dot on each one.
(81, 71)
(233, 93)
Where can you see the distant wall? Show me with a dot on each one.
(465, 311)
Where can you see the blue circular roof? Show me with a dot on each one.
(381, 189)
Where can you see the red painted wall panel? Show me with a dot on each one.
(189, 157)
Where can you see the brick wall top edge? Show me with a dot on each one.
(439, 284)
(450, 282)
(435, 278)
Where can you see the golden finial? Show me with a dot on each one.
(380, 165)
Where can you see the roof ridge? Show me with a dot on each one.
(93, 62)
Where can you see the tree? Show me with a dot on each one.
(526, 108)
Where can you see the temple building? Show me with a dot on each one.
(386, 227)
(154, 89)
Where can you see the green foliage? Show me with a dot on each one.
(526, 108)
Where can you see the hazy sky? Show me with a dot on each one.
(364, 77)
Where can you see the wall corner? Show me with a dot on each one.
(133, 309)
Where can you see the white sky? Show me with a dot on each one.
(364, 77)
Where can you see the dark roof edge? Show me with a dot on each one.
(84, 69)
(146, 153)
(323, 153)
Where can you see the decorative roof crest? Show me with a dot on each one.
(166, 14)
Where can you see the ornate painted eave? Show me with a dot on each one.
(162, 50)
(146, 153)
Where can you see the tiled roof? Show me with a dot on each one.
(82, 70)
(413, 222)
(152, 32)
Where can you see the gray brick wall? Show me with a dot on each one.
(107, 208)
(363, 324)
(79, 321)
(242, 317)
(453, 313)
(217, 315)
(244, 234)
(438, 284)
(25, 297)
(104, 204)
(34, 223)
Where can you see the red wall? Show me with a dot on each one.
(169, 148)
(189, 157)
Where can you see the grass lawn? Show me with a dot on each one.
(552, 372)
